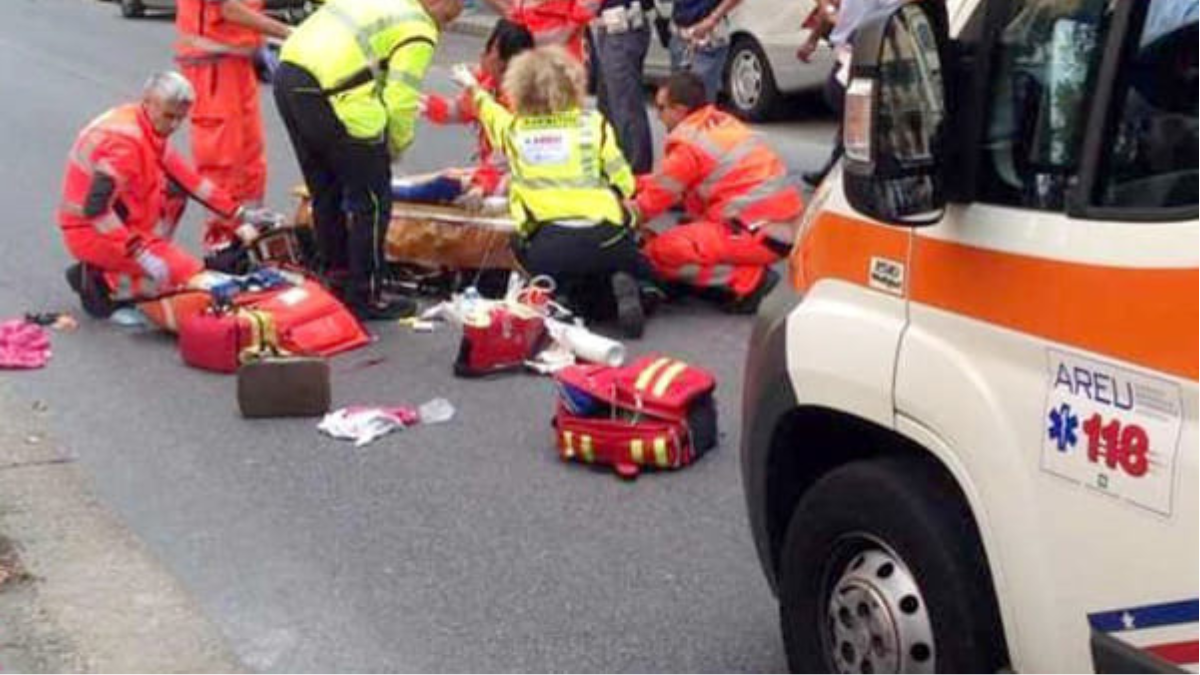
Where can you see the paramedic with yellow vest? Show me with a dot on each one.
(347, 89)
(568, 181)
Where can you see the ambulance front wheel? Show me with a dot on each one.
(882, 571)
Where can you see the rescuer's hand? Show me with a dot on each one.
(153, 266)
(463, 77)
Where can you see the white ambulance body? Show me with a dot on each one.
(970, 424)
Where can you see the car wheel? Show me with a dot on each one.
(882, 571)
(749, 82)
(132, 9)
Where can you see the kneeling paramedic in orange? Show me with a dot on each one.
(742, 208)
(215, 50)
(506, 41)
(347, 89)
(123, 194)
(568, 178)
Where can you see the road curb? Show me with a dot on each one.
(95, 599)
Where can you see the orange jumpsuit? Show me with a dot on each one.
(226, 130)
(123, 193)
(556, 22)
(736, 192)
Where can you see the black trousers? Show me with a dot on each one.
(582, 260)
(349, 180)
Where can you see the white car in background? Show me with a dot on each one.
(762, 64)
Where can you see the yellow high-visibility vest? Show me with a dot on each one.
(369, 56)
(565, 168)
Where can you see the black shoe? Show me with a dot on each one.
(93, 293)
(749, 303)
(653, 297)
(630, 316)
(385, 310)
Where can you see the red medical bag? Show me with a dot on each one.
(657, 412)
(500, 344)
(215, 341)
(309, 319)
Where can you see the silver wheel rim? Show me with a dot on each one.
(746, 79)
(877, 620)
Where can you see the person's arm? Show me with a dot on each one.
(709, 22)
(115, 161)
(495, 119)
(657, 192)
(826, 17)
(236, 11)
(402, 90)
(615, 166)
(203, 190)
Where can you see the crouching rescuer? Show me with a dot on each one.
(741, 208)
(568, 179)
(123, 195)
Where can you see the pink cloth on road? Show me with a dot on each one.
(23, 345)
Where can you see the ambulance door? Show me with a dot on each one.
(1051, 352)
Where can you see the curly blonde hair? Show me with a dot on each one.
(545, 81)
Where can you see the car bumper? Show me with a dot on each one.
(767, 396)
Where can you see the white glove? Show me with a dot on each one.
(463, 77)
(153, 266)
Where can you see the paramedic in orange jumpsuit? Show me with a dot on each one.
(217, 41)
(123, 194)
(741, 207)
(552, 22)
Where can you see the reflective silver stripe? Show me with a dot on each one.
(72, 208)
(718, 276)
(729, 162)
(706, 144)
(109, 222)
(363, 34)
(614, 166)
(209, 46)
(553, 36)
(588, 151)
(762, 191)
(669, 183)
(575, 223)
(581, 183)
(407, 78)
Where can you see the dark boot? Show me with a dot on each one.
(93, 292)
(630, 315)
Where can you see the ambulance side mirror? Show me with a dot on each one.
(895, 116)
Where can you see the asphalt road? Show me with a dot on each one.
(461, 547)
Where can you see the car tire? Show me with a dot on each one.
(132, 9)
(882, 570)
(750, 91)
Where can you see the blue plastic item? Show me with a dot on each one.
(437, 190)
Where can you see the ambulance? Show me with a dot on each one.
(970, 421)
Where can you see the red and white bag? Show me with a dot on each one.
(657, 412)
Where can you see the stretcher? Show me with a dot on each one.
(438, 238)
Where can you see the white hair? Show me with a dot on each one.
(169, 86)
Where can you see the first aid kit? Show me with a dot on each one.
(656, 413)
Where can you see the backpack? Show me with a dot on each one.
(657, 412)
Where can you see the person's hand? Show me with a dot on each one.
(806, 50)
(463, 77)
(153, 266)
(702, 29)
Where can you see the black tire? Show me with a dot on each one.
(883, 509)
(132, 9)
(750, 91)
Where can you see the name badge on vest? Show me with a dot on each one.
(541, 148)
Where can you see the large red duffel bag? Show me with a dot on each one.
(215, 341)
(657, 412)
(309, 319)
